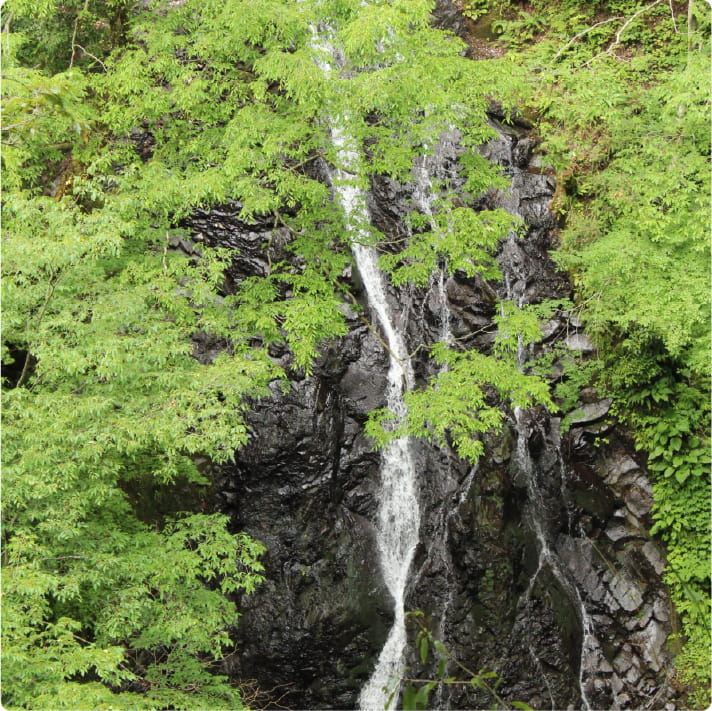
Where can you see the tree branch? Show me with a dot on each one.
(89, 54)
(50, 292)
(74, 33)
(581, 34)
(619, 34)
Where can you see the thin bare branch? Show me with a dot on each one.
(74, 33)
(632, 18)
(672, 14)
(617, 39)
(581, 34)
(89, 54)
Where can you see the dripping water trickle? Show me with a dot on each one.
(547, 557)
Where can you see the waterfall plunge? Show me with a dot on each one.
(398, 511)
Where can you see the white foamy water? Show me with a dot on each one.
(398, 512)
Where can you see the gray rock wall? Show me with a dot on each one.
(585, 625)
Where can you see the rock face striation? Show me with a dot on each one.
(534, 564)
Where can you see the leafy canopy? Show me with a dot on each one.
(622, 92)
(120, 120)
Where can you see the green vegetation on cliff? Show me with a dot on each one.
(620, 92)
(117, 594)
(114, 598)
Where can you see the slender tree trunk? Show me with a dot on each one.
(691, 25)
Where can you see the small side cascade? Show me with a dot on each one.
(427, 173)
(537, 513)
(548, 558)
(435, 168)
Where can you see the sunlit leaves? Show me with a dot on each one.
(459, 237)
(462, 401)
(629, 138)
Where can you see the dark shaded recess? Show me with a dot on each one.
(154, 502)
(13, 367)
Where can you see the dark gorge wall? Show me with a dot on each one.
(535, 563)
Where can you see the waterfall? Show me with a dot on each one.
(399, 511)
(537, 509)
(589, 643)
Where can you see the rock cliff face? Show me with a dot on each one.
(535, 563)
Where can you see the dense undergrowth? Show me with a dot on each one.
(121, 117)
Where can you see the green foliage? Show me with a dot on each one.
(462, 402)
(417, 692)
(58, 36)
(41, 116)
(101, 396)
(103, 392)
(113, 600)
(458, 236)
(79, 607)
(621, 89)
(516, 327)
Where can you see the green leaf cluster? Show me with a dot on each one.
(459, 237)
(462, 402)
(104, 395)
(120, 120)
(417, 692)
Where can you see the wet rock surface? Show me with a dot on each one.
(583, 626)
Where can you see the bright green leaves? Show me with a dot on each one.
(160, 602)
(630, 142)
(379, 33)
(41, 117)
(107, 391)
(127, 589)
(462, 238)
(516, 327)
(639, 239)
(462, 402)
(309, 320)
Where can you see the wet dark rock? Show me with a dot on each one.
(534, 564)
(639, 498)
(447, 16)
(661, 609)
(579, 342)
(654, 557)
(590, 412)
(550, 328)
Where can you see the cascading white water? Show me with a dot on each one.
(522, 459)
(398, 511)
(589, 643)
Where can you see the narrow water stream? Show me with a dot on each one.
(398, 511)
(536, 511)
